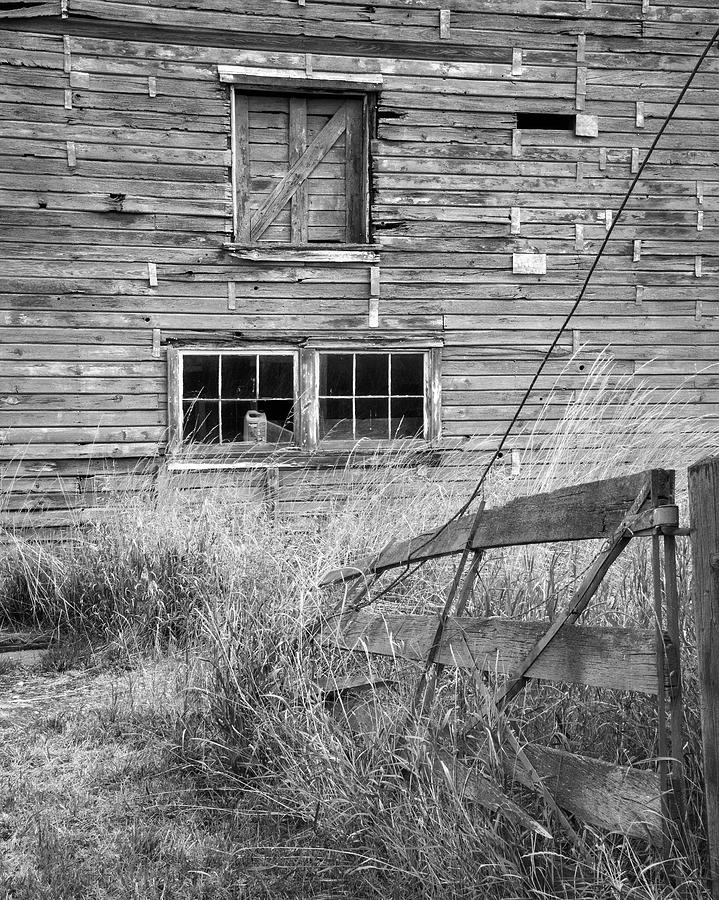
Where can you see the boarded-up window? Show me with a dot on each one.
(300, 168)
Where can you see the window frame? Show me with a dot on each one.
(354, 396)
(306, 385)
(175, 395)
(294, 82)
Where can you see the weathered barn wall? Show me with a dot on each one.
(114, 169)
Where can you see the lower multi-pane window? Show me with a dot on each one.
(222, 391)
(371, 395)
(252, 396)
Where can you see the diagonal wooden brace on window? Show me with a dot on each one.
(599, 568)
(298, 172)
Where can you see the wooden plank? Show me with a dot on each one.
(616, 798)
(354, 171)
(282, 194)
(580, 512)
(174, 398)
(471, 784)
(241, 166)
(617, 658)
(704, 513)
(281, 78)
(297, 146)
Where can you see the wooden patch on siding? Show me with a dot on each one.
(80, 80)
(529, 263)
(581, 89)
(445, 16)
(373, 312)
(516, 61)
(586, 126)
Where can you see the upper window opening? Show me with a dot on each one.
(222, 393)
(301, 168)
(371, 395)
(545, 121)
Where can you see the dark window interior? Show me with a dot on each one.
(545, 122)
(371, 395)
(219, 390)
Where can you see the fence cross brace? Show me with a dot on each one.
(599, 568)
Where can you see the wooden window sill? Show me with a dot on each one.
(365, 453)
(309, 253)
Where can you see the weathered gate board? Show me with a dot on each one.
(617, 798)
(619, 658)
(576, 513)
(620, 799)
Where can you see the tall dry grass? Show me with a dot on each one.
(236, 592)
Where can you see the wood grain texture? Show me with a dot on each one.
(704, 513)
(615, 798)
(581, 512)
(618, 658)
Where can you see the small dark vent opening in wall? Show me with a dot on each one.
(545, 121)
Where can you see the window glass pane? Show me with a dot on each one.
(336, 375)
(372, 374)
(199, 376)
(276, 376)
(407, 416)
(201, 421)
(239, 377)
(407, 373)
(233, 420)
(372, 419)
(336, 419)
(280, 420)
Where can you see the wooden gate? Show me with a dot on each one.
(643, 803)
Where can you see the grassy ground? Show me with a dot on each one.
(97, 802)
(178, 747)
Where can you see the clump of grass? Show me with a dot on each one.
(235, 590)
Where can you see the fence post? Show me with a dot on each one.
(704, 514)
